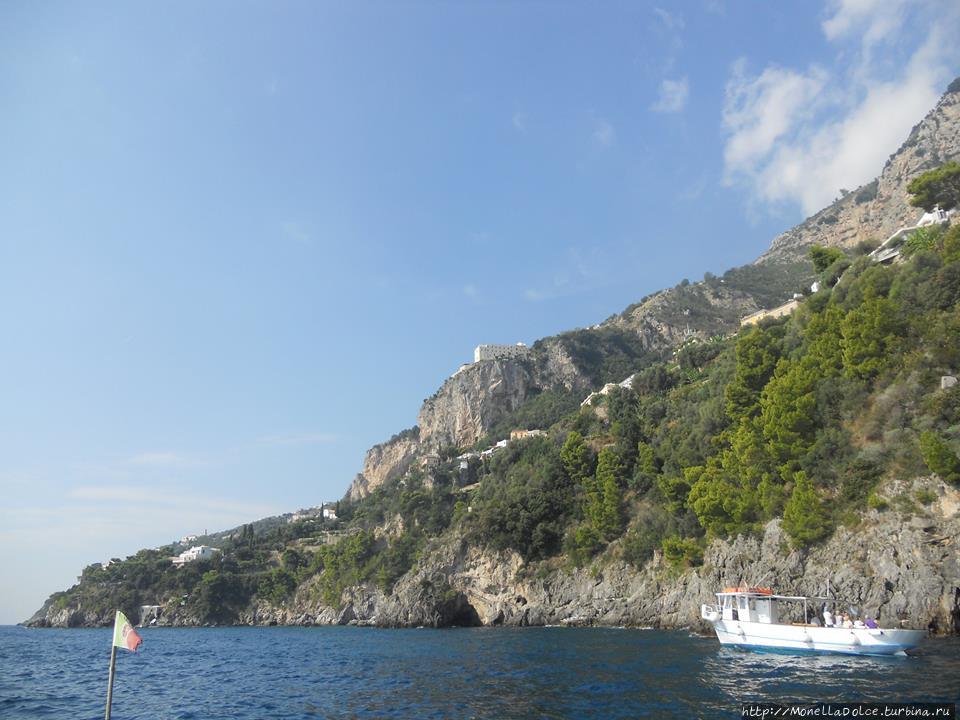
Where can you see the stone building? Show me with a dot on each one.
(497, 352)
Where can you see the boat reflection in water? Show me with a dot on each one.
(755, 618)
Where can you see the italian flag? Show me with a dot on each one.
(123, 633)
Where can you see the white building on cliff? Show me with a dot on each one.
(497, 352)
(198, 552)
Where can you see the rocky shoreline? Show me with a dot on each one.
(906, 571)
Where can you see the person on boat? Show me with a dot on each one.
(871, 623)
(827, 617)
(847, 622)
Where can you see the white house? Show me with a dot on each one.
(890, 249)
(329, 513)
(198, 552)
(495, 352)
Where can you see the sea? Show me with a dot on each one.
(351, 672)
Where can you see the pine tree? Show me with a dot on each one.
(938, 456)
(940, 186)
(609, 519)
(576, 459)
(804, 519)
(869, 337)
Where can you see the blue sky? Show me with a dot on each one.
(240, 242)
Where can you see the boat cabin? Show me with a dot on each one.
(748, 605)
(760, 605)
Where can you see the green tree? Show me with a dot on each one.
(723, 504)
(940, 186)
(757, 352)
(645, 468)
(804, 519)
(788, 412)
(676, 489)
(822, 340)
(682, 552)
(824, 257)
(869, 337)
(611, 512)
(603, 497)
(939, 458)
(576, 458)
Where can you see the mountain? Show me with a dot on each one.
(470, 404)
(819, 446)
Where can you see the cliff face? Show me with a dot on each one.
(878, 209)
(468, 405)
(904, 570)
(383, 463)
(871, 213)
(472, 401)
(699, 311)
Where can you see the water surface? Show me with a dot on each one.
(344, 672)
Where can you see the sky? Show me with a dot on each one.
(240, 242)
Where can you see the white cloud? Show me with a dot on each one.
(520, 121)
(759, 111)
(673, 96)
(799, 136)
(603, 133)
(671, 21)
(875, 19)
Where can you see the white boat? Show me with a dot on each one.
(750, 617)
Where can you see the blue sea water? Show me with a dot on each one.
(346, 672)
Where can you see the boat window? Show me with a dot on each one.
(743, 603)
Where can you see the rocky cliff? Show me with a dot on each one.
(467, 407)
(901, 564)
(669, 318)
(902, 568)
(871, 213)
(876, 210)
(471, 402)
(385, 462)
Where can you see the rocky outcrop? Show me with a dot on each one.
(385, 462)
(68, 617)
(878, 209)
(467, 407)
(669, 318)
(468, 404)
(471, 402)
(902, 571)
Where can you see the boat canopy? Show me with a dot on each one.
(767, 594)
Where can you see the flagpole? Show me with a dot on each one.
(113, 667)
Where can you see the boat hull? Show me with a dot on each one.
(855, 641)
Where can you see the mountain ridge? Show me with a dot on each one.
(467, 405)
(688, 480)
